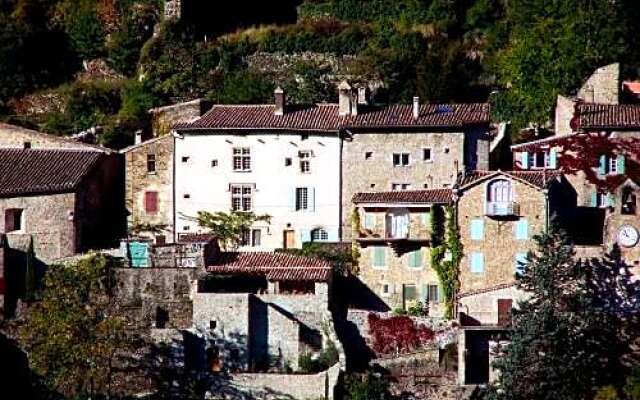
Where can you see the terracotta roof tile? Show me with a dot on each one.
(538, 179)
(39, 171)
(324, 117)
(406, 196)
(275, 266)
(609, 116)
(195, 237)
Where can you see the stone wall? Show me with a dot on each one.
(49, 219)
(273, 386)
(283, 339)
(377, 173)
(153, 296)
(499, 245)
(15, 136)
(164, 118)
(603, 86)
(139, 181)
(483, 307)
(300, 303)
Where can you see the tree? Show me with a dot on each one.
(567, 337)
(229, 228)
(73, 335)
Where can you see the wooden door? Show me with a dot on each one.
(504, 311)
(289, 239)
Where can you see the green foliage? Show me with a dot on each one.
(368, 386)
(341, 258)
(606, 393)
(244, 87)
(85, 30)
(632, 385)
(309, 364)
(73, 335)
(229, 227)
(416, 309)
(446, 253)
(399, 311)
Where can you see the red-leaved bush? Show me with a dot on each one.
(397, 334)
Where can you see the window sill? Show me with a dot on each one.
(244, 171)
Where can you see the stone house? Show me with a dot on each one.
(262, 311)
(498, 213)
(321, 152)
(66, 200)
(149, 188)
(13, 136)
(394, 238)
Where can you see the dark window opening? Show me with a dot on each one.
(162, 317)
(151, 163)
(13, 220)
(297, 287)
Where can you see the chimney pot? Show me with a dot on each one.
(280, 101)
(345, 99)
(138, 137)
(416, 107)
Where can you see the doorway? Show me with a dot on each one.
(289, 239)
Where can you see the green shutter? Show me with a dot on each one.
(602, 165)
(477, 229)
(524, 160)
(415, 259)
(522, 229)
(426, 219)
(379, 257)
(553, 159)
(424, 293)
(611, 200)
(621, 166)
(593, 202)
(369, 221)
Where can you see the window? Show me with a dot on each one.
(499, 191)
(611, 165)
(241, 197)
(400, 186)
(477, 263)
(305, 161)
(521, 263)
(369, 221)
(426, 154)
(522, 229)
(251, 237)
(397, 223)
(185, 159)
(187, 196)
(386, 289)
(400, 159)
(288, 161)
(628, 201)
(477, 229)
(539, 159)
(242, 159)
(13, 220)
(379, 257)
(319, 235)
(446, 150)
(186, 228)
(433, 295)
(26, 145)
(302, 199)
(603, 200)
(151, 202)
(368, 154)
(415, 259)
(214, 163)
(151, 163)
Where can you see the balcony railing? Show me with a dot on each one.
(503, 209)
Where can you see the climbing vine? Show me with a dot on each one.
(355, 250)
(446, 253)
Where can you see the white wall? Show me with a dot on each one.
(275, 183)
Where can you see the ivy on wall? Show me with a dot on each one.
(446, 253)
(355, 250)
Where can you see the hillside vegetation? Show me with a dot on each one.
(518, 54)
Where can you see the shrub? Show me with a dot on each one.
(307, 363)
(366, 387)
(397, 334)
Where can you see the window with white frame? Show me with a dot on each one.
(433, 295)
(251, 237)
(151, 163)
(305, 161)
(613, 165)
(242, 197)
(241, 159)
(400, 159)
(539, 159)
(302, 198)
(602, 199)
(319, 235)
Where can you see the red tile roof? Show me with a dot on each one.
(195, 237)
(275, 266)
(406, 196)
(324, 117)
(40, 171)
(609, 116)
(539, 179)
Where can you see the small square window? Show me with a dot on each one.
(13, 220)
(288, 161)
(186, 228)
(26, 145)
(426, 154)
(185, 159)
(400, 159)
(446, 150)
(212, 325)
(368, 155)
(426, 186)
(187, 196)
(151, 163)
(386, 289)
(373, 186)
(214, 163)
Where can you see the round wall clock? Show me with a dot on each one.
(628, 236)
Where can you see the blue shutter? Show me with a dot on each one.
(292, 199)
(522, 229)
(415, 259)
(424, 293)
(611, 200)
(477, 229)
(553, 159)
(594, 199)
(524, 160)
(379, 257)
(620, 162)
(312, 199)
(139, 254)
(426, 219)
(521, 263)
(477, 263)
(369, 221)
(602, 165)
(305, 236)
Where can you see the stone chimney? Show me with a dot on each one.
(345, 100)
(280, 101)
(138, 139)
(416, 107)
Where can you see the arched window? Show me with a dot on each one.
(319, 235)
(499, 191)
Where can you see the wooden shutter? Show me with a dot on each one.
(553, 159)
(524, 160)
(311, 199)
(477, 263)
(602, 165)
(620, 162)
(477, 229)
(379, 257)
(522, 229)
(151, 202)
(415, 259)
